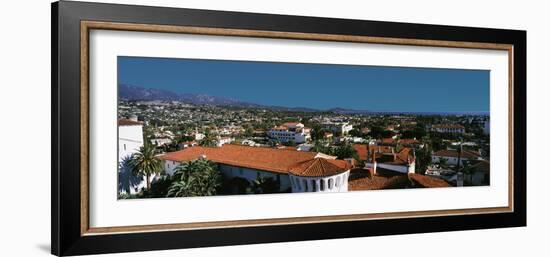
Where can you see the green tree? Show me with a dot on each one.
(195, 178)
(423, 160)
(443, 162)
(317, 132)
(144, 163)
(265, 185)
(376, 132)
(210, 139)
(355, 133)
(320, 147)
(345, 151)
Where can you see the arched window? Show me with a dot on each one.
(297, 183)
(330, 183)
(313, 186)
(305, 185)
(322, 185)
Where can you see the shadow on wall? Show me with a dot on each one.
(126, 178)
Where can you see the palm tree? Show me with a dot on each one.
(209, 140)
(144, 163)
(195, 178)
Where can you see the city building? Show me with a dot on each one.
(380, 159)
(340, 127)
(224, 140)
(478, 174)
(295, 171)
(449, 128)
(367, 179)
(450, 157)
(130, 137)
(160, 141)
(290, 132)
(320, 175)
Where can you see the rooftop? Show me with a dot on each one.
(261, 158)
(453, 153)
(291, 124)
(127, 122)
(450, 126)
(365, 180)
(361, 150)
(319, 167)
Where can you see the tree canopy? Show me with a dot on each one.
(195, 178)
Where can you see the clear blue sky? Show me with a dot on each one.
(320, 86)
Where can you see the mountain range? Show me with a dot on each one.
(131, 92)
(134, 93)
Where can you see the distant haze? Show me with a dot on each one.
(317, 86)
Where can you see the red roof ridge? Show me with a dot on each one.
(269, 159)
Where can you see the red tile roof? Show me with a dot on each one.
(450, 126)
(408, 141)
(483, 166)
(380, 148)
(453, 153)
(404, 154)
(261, 158)
(127, 122)
(388, 141)
(366, 181)
(427, 181)
(361, 150)
(319, 167)
(290, 124)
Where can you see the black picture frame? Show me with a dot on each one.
(66, 127)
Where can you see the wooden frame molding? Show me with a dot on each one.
(85, 28)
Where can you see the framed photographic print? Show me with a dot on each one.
(178, 128)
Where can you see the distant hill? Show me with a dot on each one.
(131, 92)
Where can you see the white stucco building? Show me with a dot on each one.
(320, 175)
(290, 131)
(338, 127)
(130, 140)
(130, 137)
(403, 161)
(224, 140)
(451, 157)
(449, 128)
(287, 167)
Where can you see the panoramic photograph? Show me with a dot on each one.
(196, 127)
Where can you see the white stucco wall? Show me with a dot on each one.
(450, 160)
(130, 139)
(287, 136)
(336, 183)
(229, 172)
